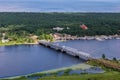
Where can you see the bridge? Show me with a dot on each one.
(67, 50)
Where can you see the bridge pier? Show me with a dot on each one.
(63, 51)
(77, 56)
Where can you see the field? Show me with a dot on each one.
(104, 76)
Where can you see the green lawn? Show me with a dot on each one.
(104, 76)
(20, 78)
(113, 75)
(10, 43)
(108, 75)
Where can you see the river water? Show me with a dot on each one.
(111, 48)
(26, 59)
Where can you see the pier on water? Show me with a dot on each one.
(67, 50)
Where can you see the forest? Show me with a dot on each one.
(20, 24)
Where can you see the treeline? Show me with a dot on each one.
(39, 23)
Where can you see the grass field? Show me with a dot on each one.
(111, 75)
(104, 76)
(14, 43)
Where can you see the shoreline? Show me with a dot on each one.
(80, 38)
(82, 66)
(12, 44)
(96, 37)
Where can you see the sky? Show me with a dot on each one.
(59, 5)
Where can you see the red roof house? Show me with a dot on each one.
(84, 27)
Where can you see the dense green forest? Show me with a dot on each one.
(22, 24)
(37, 23)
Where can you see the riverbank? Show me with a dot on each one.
(104, 76)
(110, 75)
(15, 43)
(68, 37)
(96, 37)
(107, 75)
(73, 67)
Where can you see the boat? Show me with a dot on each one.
(99, 39)
(118, 38)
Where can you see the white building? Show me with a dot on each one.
(4, 41)
(68, 28)
(58, 28)
(3, 38)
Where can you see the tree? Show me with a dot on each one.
(114, 59)
(103, 56)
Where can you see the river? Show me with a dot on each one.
(111, 48)
(25, 59)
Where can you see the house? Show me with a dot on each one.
(84, 27)
(5, 40)
(57, 36)
(34, 38)
(68, 28)
(58, 28)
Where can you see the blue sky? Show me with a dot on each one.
(59, 5)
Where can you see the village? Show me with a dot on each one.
(63, 36)
(58, 36)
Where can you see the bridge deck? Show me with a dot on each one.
(68, 50)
